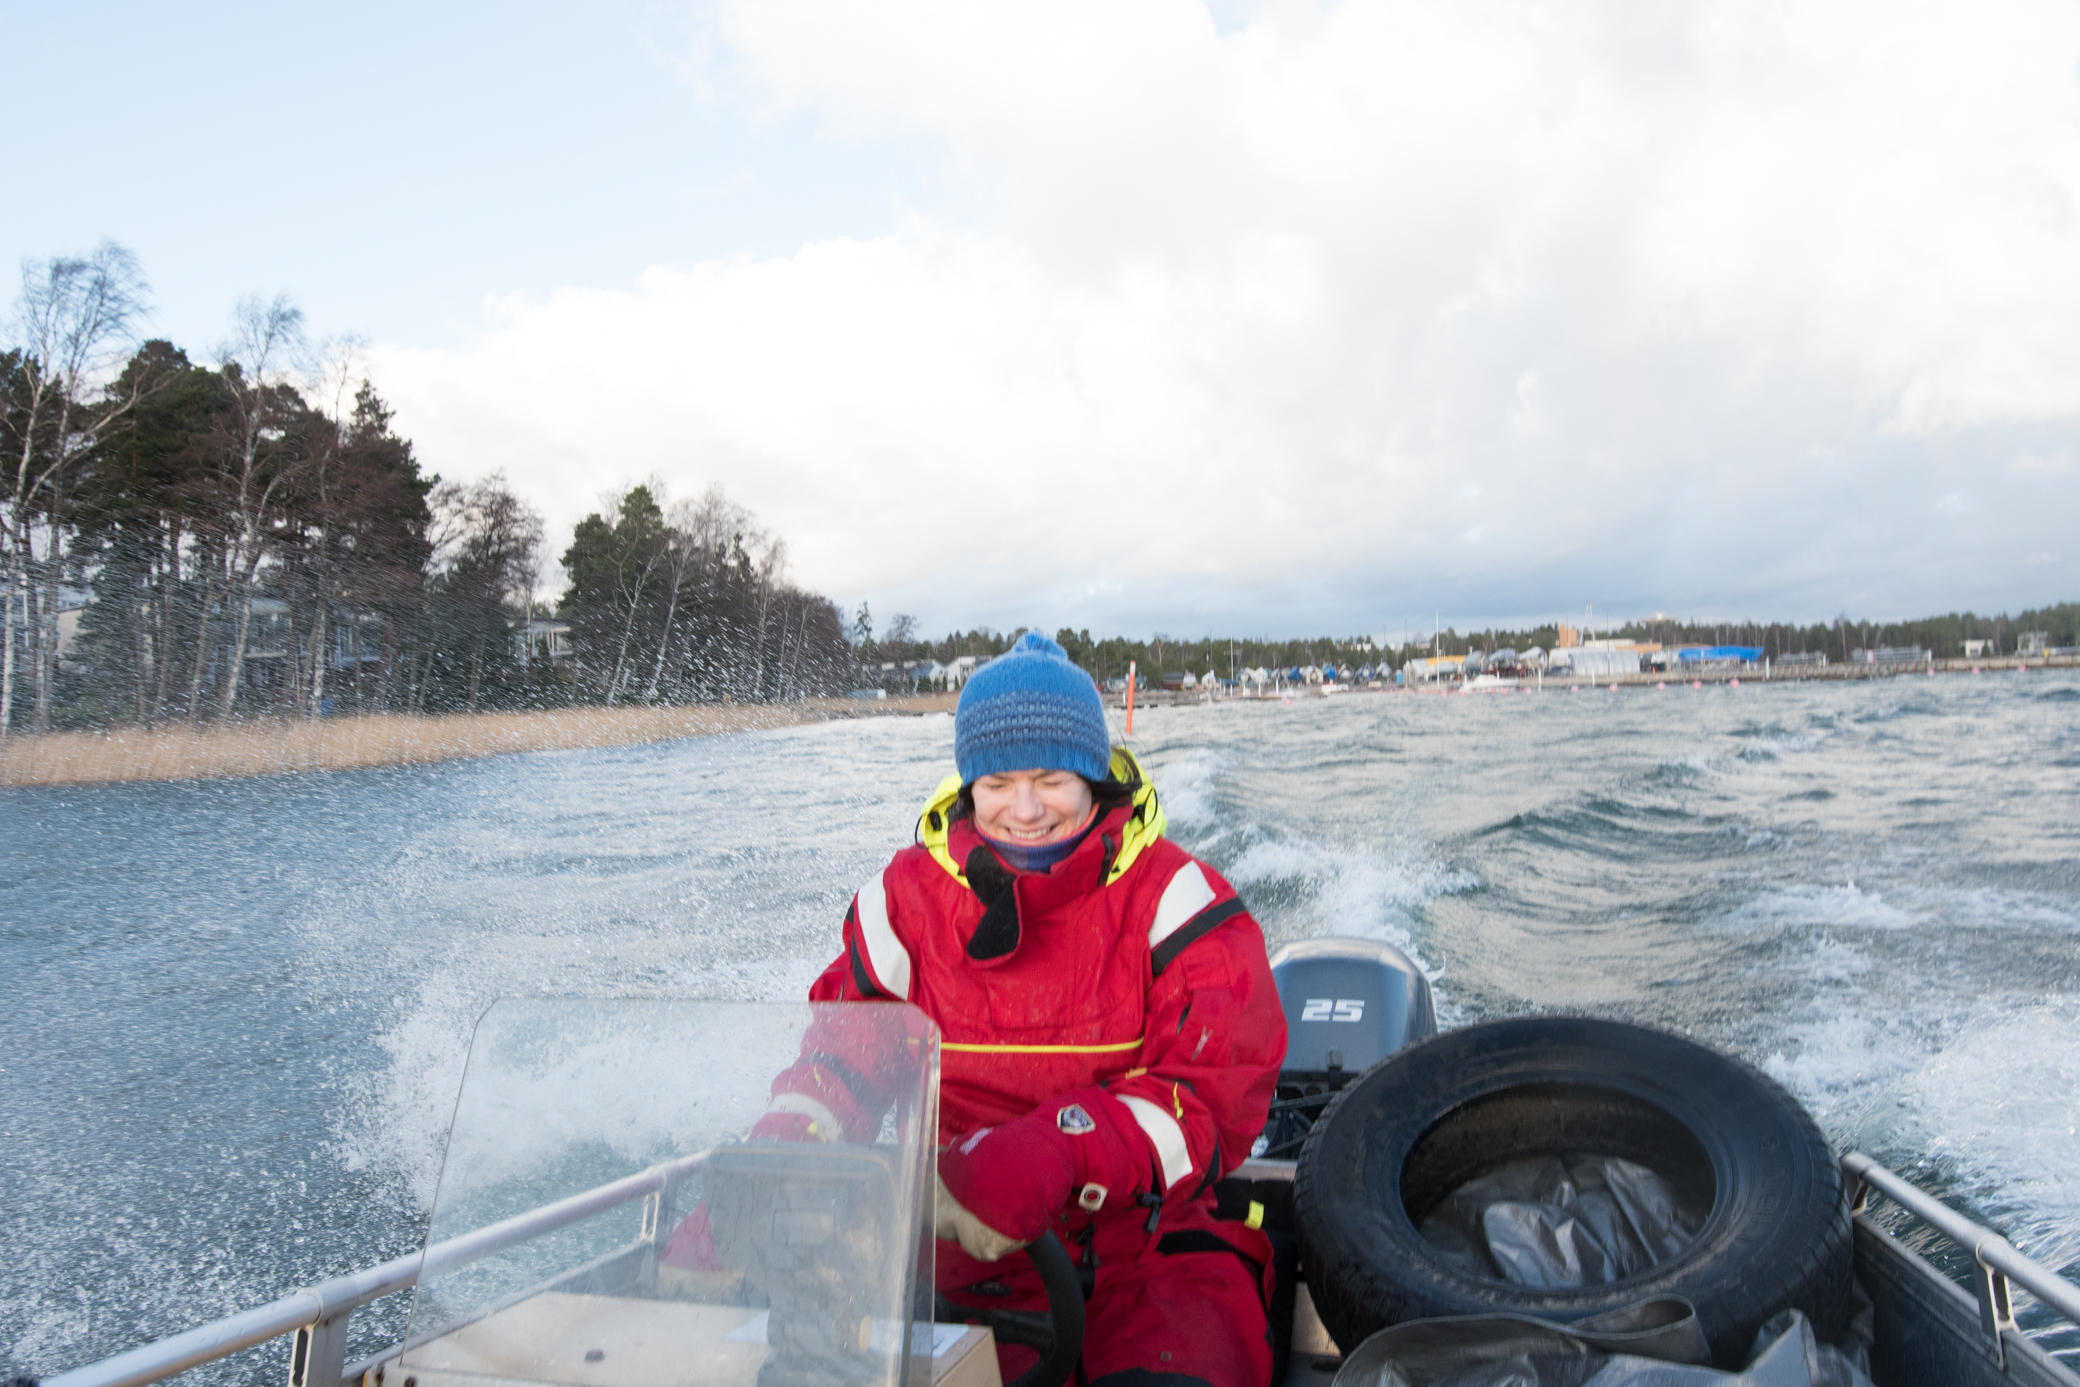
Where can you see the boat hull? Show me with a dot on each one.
(1927, 1329)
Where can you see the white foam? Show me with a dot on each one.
(1842, 1065)
(1831, 961)
(1185, 784)
(1693, 765)
(396, 1119)
(1980, 1102)
(1277, 859)
(714, 868)
(1818, 907)
(1852, 905)
(1997, 1106)
(1345, 890)
(640, 1079)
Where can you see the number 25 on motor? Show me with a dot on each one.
(1331, 1009)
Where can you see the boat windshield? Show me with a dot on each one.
(653, 1192)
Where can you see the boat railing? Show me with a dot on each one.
(1995, 1261)
(318, 1315)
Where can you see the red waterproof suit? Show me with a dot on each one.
(1126, 987)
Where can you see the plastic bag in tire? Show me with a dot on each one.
(1506, 1351)
(1774, 1232)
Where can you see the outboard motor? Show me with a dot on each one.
(1349, 1003)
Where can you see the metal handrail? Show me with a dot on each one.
(330, 1301)
(1995, 1260)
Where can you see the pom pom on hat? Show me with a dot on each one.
(1031, 709)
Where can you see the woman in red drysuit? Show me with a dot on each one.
(1111, 1034)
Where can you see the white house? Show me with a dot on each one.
(541, 641)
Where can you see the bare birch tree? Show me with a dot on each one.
(343, 364)
(266, 346)
(716, 529)
(770, 570)
(73, 320)
(683, 564)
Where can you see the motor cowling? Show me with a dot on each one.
(1349, 1004)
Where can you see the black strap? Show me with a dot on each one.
(1205, 1240)
(855, 1083)
(995, 887)
(1087, 1265)
(1212, 1175)
(1191, 931)
(1233, 1196)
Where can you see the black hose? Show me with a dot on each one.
(1058, 1334)
(1064, 1306)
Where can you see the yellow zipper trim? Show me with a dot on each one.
(1113, 1047)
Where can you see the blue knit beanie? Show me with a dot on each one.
(1030, 709)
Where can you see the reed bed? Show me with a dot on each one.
(353, 743)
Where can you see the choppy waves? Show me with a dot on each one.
(248, 1004)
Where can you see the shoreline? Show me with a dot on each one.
(389, 739)
(1649, 679)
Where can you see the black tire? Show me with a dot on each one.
(1423, 1122)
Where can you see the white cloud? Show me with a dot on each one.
(2031, 462)
(1677, 292)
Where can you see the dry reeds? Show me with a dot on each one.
(337, 744)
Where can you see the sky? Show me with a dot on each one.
(1153, 316)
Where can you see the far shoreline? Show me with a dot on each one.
(286, 747)
(1709, 677)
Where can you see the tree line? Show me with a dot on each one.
(184, 541)
(689, 602)
(1944, 635)
(1108, 657)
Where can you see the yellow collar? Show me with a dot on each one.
(1144, 825)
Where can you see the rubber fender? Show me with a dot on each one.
(1425, 1121)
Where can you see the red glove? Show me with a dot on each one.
(1000, 1187)
(692, 1244)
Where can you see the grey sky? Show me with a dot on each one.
(1135, 316)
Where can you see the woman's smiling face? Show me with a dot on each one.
(1031, 808)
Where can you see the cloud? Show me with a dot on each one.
(2030, 462)
(1334, 314)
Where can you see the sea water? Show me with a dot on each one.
(236, 1011)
